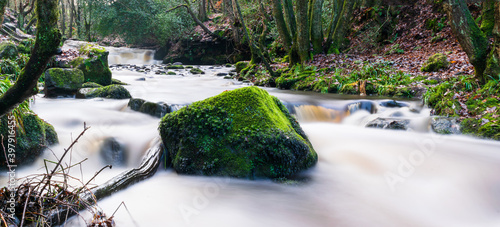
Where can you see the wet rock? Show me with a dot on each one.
(158, 109)
(394, 124)
(96, 69)
(110, 92)
(360, 105)
(177, 63)
(141, 79)
(243, 133)
(393, 104)
(196, 71)
(221, 74)
(445, 125)
(112, 152)
(62, 82)
(119, 82)
(228, 77)
(33, 135)
(91, 85)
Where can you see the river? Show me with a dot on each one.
(364, 177)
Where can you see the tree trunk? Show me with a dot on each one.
(47, 42)
(339, 40)
(493, 64)
(471, 39)
(3, 4)
(63, 18)
(71, 18)
(302, 40)
(281, 25)
(337, 8)
(316, 26)
(488, 17)
(290, 17)
(203, 10)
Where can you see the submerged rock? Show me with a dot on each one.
(158, 109)
(60, 81)
(244, 133)
(112, 152)
(111, 92)
(32, 136)
(394, 124)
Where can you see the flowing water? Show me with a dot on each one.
(364, 177)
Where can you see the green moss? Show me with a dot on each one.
(92, 49)
(241, 65)
(69, 79)
(116, 81)
(8, 50)
(91, 85)
(175, 67)
(171, 73)
(111, 92)
(189, 67)
(229, 65)
(32, 136)
(242, 133)
(196, 71)
(8, 66)
(476, 127)
(76, 62)
(96, 69)
(435, 62)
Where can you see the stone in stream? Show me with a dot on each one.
(394, 124)
(158, 109)
(112, 152)
(111, 92)
(221, 74)
(96, 69)
(445, 125)
(360, 105)
(243, 133)
(62, 82)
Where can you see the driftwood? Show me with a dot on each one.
(147, 168)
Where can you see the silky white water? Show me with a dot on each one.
(364, 177)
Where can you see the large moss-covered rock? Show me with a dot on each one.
(242, 133)
(435, 62)
(60, 81)
(8, 50)
(32, 136)
(111, 92)
(95, 68)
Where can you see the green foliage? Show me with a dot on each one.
(8, 50)
(242, 133)
(5, 84)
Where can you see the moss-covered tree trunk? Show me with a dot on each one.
(316, 25)
(493, 64)
(302, 39)
(337, 10)
(47, 42)
(488, 16)
(3, 4)
(472, 40)
(290, 17)
(338, 40)
(281, 25)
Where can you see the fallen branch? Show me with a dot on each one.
(148, 167)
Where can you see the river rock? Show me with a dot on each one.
(445, 125)
(31, 138)
(96, 69)
(60, 81)
(360, 105)
(158, 109)
(394, 124)
(111, 92)
(393, 104)
(243, 133)
(112, 152)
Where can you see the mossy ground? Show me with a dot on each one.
(478, 106)
(242, 133)
(381, 79)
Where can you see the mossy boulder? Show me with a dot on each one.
(175, 67)
(32, 136)
(8, 50)
(95, 67)
(243, 133)
(196, 71)
(111, 92)
(435, 62)
(60, 81)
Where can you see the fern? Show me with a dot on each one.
(19, 110)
